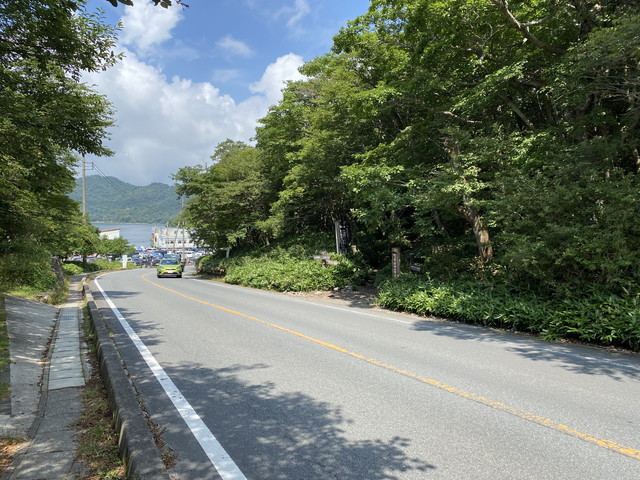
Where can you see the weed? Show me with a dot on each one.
(98, 436)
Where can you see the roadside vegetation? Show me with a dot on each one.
(494, 144)
(288, 266)
(587, 316)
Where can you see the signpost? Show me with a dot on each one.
(395, 262)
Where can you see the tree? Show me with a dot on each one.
(494, 138)
(46, 114)
(225, 203)
(114, 246)
(520, 118)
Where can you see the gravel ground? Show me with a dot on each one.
(363, 296)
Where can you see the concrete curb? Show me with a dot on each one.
(137, 447)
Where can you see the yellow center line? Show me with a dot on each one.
(531, 417)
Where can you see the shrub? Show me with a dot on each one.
(77, 267)
(285, 267)
(72, 269)
(31, 269)
(594, 317)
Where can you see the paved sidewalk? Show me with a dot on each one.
(45, 390)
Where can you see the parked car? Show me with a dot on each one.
(169, 267)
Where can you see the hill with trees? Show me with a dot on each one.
(496, 142)
(112, 200)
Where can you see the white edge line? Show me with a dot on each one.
(220, 459)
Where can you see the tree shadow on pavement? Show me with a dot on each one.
(284, 435)
(578, 358)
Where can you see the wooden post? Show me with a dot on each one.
(395, 262)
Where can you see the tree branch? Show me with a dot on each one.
(511, 104)
(503, 5)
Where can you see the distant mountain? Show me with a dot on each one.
(114, 201)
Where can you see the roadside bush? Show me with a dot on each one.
(285, 268)
(288, 275)
(32, 269)
(72, 269)
(77, 267)
(593, 317)
(211, 265)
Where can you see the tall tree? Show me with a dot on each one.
(225, 205)
(45, 112)
(503, 98)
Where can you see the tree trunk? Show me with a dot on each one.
(471, 215)
(469, 212)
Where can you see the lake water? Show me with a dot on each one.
(138, 234)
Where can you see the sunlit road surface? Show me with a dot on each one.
(260, 385)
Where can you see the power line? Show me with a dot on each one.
(113, 185)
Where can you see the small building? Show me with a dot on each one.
(110, 233)
(175, 239)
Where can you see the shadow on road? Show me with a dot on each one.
(576, 358)
(286, 435)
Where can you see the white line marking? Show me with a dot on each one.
(220, 459)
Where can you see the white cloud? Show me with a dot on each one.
(145, 26)
(163, 125)
(234, 47)
(299, 10)
(276, 75)
(292, 13)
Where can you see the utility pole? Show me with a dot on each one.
(84, 189)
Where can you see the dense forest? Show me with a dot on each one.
(484, 137)
(112, 200)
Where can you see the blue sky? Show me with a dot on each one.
(193, 77)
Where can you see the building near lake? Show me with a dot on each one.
(110, 233)
(169, 238)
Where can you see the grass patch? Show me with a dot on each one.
(98, 436)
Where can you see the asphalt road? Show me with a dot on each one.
(260, 385)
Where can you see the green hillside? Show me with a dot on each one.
(112, 200)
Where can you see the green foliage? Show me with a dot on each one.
(496, 141)
(286, 268)
(597, 317)
(226, 203)
(114, 246)
(77, 267)
(46, 114)
(72, 269)
(114, 201)
(284, 274)
(28, 267)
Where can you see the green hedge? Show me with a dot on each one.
(32, 269)
(593, 317)
(76, 267)
(285, 269)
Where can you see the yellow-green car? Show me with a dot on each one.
(169, 267)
